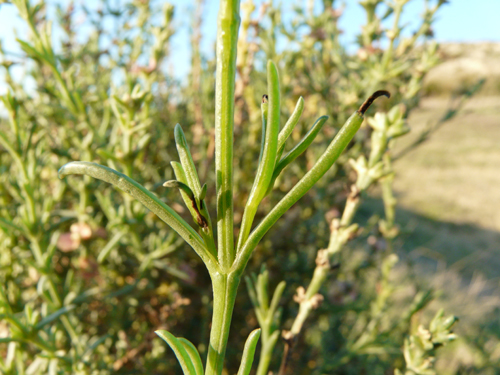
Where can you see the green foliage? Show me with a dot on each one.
(419, 348)
(88, 274)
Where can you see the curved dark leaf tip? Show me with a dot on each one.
(265, 98)
(368, 102)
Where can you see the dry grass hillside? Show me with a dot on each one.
(465, 63)
(448, 191)
(449, 187)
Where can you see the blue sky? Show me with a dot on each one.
(460, 20)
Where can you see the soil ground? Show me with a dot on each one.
(448, 188)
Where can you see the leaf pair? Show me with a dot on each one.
(258, 290)
(185, 351)
(149, 200)
(193, 194)
(329, 157)
(190, 359)
(273, 144)
(268, 314)
(192, 202)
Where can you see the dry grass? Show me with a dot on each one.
(448, 192)
(465, 63)
(455, 175)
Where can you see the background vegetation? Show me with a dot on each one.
(87, 277)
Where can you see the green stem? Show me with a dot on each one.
(266, 353)
(225, 287)
(25, 181)
(227, 37)
(395, 31)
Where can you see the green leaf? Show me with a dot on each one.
(252, 292)
(7, 226)
(278, 292)
(148, 199)
(262, 291)
(109, 246)
(182, 186)
(180, 352)
(193, 354)
(187, 161)
(180, 175)
(304, 143)
(289, 126)
(50, 318)
(249, 352)
(333, 151)
(264, 109)
(324, 163)
(206, 231)
(194, 205)
(268, 161)
(203, 192)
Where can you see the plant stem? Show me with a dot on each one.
(225, 287)
(395, 33)
(227, 37)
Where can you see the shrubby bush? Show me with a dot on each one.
(88, 273)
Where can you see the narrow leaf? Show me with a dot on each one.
(50, 318)
(252, 292)
(333, 151)
(278, 292)
(249, 352)
(264, 109)
(179, 350)
(193, 354)
(266, 165)
(207, 231)
(187, 161)
(203, 192)
(181, 186)
(262, 290)
(194, 205)
(109, 246)
(8, 225)
(304, 143)
(148, 199)
(187, 195)
(289, 126)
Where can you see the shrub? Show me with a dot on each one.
(89, 273)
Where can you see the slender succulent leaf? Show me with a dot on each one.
(249, 352)
(203, 192)
(197, 207)
(148, 199)
(278, 292)
(268, 161)
(180, 352)
(109, 246)
(339, 143)
(262, 290)
(50, 318)
(304, 143)
(289, 126)
(187, 161)
(264, 109)
(193, 354)
(184, 188)
(251, 291)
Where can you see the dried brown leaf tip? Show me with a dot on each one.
(368, 102)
